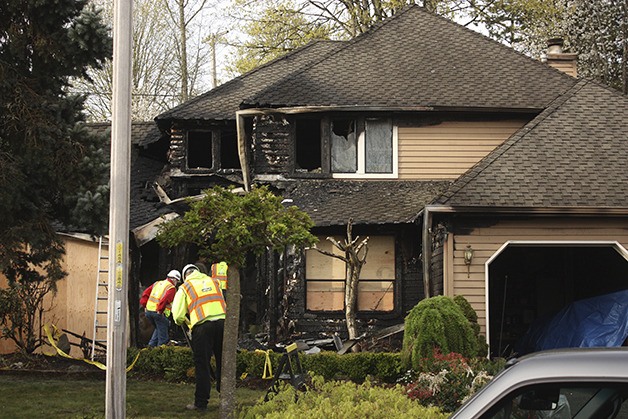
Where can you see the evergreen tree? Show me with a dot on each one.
(52, 168)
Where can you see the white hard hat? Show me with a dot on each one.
(189, 267)
(174, 274)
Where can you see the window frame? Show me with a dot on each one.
(325, 139)
(361, 152)
(200, 169)
(215, 135)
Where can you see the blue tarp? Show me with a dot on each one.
(592, 322)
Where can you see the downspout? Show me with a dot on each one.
(241, 134)
(427, 250)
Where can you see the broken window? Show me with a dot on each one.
(212, 150)
(229, 157)
(308, 145)
(325, 277)
(344, 145)
(199, 150)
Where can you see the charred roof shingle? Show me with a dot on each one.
(222, 102)
(333, 202)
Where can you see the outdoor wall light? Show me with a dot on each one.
(468, 258)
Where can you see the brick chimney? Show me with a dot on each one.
(563, 61)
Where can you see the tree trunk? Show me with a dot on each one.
(351, 295)
(229, 345)
(184, 51)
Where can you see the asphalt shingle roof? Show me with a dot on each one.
(413, 59)
(333, 202)
(574, 154)
(223, 101)
(144, 206)
(416, 58)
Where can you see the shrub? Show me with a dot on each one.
(445, 381)
(341, 400)
(326, 364)
(173, 363)
(356, 367)
(436, 322)
(472, 316)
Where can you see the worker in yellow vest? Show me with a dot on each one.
(200, 298)
(157, 299)
(219, 272)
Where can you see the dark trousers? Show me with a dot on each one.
(206, 339)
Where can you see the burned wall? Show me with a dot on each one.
(273, 148)
(294, 318)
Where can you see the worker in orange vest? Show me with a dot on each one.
(219, 272)
(157, 299)
(200, 298)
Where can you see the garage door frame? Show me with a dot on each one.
(546, 243)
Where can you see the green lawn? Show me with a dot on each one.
(37, 397)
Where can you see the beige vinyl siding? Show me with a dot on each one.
(487, 241)
(447, 150)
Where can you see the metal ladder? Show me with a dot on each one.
(99, 337)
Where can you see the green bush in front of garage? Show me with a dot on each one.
(436, 322)
(472, 316)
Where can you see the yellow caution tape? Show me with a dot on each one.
(268, 368)
(100, 365)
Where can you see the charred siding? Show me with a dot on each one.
(293, 316)
(272, 144)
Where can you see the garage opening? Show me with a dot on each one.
(529, 281)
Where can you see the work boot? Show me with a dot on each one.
(195, 407)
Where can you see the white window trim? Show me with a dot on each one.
(360, 173)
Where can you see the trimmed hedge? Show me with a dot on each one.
(175, 363)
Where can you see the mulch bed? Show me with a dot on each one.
(49, 366)
(42, 366)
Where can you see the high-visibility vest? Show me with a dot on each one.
(157, 293)
(205, 300)
(219, 272)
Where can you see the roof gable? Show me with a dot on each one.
(574, 154)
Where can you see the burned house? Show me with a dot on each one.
(473, 169)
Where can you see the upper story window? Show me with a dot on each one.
(347, 147)
(200, 150)
(212, 150)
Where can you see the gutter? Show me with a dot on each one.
(427, 249)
